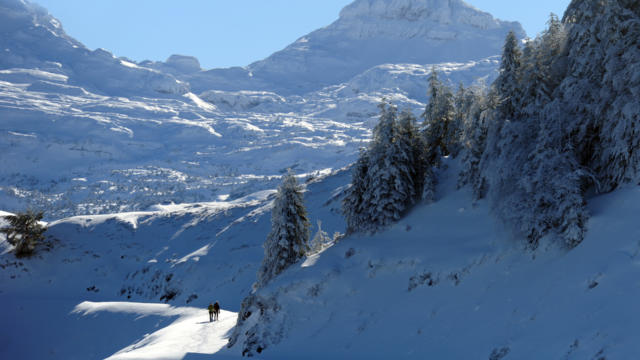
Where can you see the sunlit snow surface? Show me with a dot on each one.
(191, 332)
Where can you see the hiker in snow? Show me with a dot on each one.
(211, 311)
(216, 311)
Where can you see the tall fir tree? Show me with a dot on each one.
(474, 139)
(507, 84)
(288, 240)
(438, 118)
(385, 197)
(353, 205)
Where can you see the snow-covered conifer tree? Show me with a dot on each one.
(474, 138)
(507, 84)
(387, 195)
(353, 205)
(288, 240)
(602, 88)
(438, 117)
(388, 178)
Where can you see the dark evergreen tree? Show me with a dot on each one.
(353, 205)
(474, 139)
(387, 195)
(507, 84)
(438, 118)
(288, 240)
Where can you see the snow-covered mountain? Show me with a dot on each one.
(83, 132)
(370, 33)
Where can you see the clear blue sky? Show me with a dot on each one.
(223, 33)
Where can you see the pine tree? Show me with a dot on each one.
(474, 139)
(353, 205)
(410, 148)
(462, 107)
(386, 196)
(289, 237)
(438, 118)
(554, 181)
(507, 83)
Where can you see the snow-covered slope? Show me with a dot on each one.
(447, 282)
(370, 33)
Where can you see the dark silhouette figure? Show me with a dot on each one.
(216, 311)
(212, 311)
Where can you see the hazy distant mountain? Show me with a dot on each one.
(31, 38)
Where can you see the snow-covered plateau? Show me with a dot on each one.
(157, 181)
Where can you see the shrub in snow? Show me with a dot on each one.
(260, 324)
(24, 232)
(288, 240)
(321, 240)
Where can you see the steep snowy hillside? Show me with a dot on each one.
(447, 282)
(369, 33)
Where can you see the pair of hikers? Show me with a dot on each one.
(214, 311)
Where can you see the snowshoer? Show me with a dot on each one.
(216, 311)
(211, 311)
